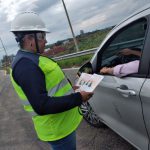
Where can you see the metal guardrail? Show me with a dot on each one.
(112, 48)
(77, 54)
(132, 43)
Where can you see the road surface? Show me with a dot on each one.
(17, 133)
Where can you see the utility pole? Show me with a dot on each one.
(5, 54)
(74, 38)
(3, 46)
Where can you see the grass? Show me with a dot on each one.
(74, 62)
(87, 41)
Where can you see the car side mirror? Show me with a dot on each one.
(86, 68)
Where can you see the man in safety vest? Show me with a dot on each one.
(42, 86)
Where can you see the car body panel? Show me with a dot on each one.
(145, 97)
(121, 112)
(124, 103)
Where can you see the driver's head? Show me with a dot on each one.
(29, 31)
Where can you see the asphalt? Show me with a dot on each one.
(17, 132)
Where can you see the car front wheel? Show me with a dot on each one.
(90, 116)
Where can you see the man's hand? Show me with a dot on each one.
(86, 95)
(75, 87)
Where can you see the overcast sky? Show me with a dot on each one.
(87, 15)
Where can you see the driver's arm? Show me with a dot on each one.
(128, 51)
(125, 69)
(122, 69)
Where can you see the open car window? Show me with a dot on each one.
(131, 37)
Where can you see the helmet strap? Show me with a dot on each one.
(36, 42)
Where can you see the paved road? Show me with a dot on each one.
(16, 129)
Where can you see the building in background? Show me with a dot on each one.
(81, 32)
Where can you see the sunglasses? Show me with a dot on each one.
(39, 35)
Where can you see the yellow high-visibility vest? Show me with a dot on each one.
(49, 127)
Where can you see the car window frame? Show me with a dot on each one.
(114, 35)
(145, 60)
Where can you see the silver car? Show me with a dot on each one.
(123, 104)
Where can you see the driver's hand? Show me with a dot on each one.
(126, 52)
(106, 70)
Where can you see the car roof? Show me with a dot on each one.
(140, 12)
(143, 11)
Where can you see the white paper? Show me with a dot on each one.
(88, 82)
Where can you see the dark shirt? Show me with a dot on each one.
(32, 81)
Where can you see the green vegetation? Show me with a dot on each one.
(74, 62)
(92, 40)
(85, 41)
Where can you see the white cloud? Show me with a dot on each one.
(91, 22)
(12, 7)
(87, 15)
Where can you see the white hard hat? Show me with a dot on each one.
(28, 21)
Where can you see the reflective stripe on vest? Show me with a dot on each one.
(69, 92)
(26, 103)
(22, 96)
(58, 87)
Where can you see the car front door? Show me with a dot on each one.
(117, 100)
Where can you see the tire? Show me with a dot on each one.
(90, 116)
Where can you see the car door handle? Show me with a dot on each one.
(123, 89)
(127, 92)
